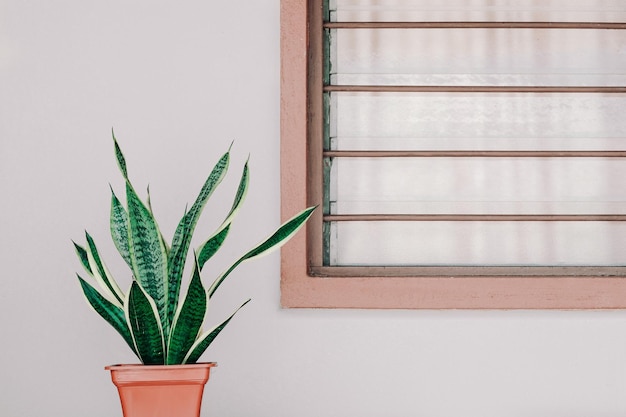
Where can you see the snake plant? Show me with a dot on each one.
(160, 327)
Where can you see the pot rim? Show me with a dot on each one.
(134, 366)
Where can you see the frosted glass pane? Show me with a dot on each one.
(477, 10)
(478, 185)
(478, 57)
(479, 243)
(478, 121)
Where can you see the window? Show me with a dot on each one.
(464, 154)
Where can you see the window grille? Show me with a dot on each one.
(489, 142)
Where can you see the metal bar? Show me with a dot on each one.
(467, 271)
(475, 217)
(468, 153)
(474, 25)
(471, 89)
(315, 129)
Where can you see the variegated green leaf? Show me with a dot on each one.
(101, 273)
(119, 228)
(206, 338)
(145, 326)
(148, 255)
(113, 314)
(211, 246)
(176, 263)
(184, 232)
(149, 205)
(188, 320)
(213, 243)
(119, 156)
(285, 232)
(82, 255)
(240, 196)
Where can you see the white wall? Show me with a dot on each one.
(179, 81)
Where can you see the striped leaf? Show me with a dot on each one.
(82, 255)
(213, 243)
(113, 314)
(240, 196)
(211, 246)
(101, 273)
(147, 252)
(203, 342)
(185, 229)
(149, 205)
(188, 320)
(119, 228)
(145, 326)
(119, 156)
(285, 232)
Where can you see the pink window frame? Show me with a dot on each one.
(300, 289)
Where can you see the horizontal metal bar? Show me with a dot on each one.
(479, 154)
(471, 89)
(474, 25)
(475, 217)
(467, 271)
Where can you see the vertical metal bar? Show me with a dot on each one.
(315, 130)
(326, 11)
(327, 233)
(327, 162)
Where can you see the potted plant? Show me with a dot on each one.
(163, 328)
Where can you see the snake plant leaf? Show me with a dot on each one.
(285, 232)
(240, 196)
(188, 320)
(211, 246)
(82, 255)
(214, 242)
(119, 228)
(184, 232)
(101, 273)
(113, 314)
(149, 200)
(148, 255)
(205, 339)
(145, 326)
(176, 264)
(119, 156)
(149, 205)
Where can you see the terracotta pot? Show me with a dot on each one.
(161, 390)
